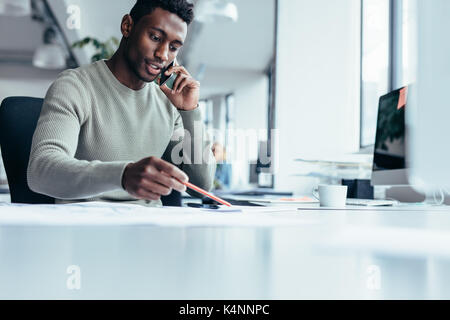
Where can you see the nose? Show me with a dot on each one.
(162, 52)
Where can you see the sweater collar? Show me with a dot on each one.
(123, 89)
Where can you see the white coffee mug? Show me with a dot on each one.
(332, 196)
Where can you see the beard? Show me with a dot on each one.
(137, 66)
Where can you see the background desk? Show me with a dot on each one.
(144, 262)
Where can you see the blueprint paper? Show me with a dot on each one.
(100, 213)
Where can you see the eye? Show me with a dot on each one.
(155, 38)
(172, 48)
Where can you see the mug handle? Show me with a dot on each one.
(315, 193)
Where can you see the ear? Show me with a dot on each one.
(126, 25)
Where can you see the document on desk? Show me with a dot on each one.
(101, 213)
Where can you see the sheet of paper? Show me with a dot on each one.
(275, 200)
(99, 213)
(285, 201)
(403, 98)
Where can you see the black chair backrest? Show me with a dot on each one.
(18, 120)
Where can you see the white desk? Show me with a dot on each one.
(144, 262)
(5, 197)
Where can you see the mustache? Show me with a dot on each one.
(159, 64)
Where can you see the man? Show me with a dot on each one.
(105, 128)
(223, 169)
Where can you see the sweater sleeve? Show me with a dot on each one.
(52, 168)
(190, 149)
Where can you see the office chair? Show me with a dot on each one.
(18, 120)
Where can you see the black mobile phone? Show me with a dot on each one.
(203, 206)
(165, 79)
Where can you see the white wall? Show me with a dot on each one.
(251, 101)
(318, 72)
(250, 116)
(244, 45)
(100, 19)
(248, 123)
(22, 80)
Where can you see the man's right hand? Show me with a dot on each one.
(151, 178)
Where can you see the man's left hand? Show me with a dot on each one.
(186, 90)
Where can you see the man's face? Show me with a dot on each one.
(154, 42)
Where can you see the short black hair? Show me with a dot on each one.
(182, 8)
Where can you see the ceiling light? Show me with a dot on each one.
(50, 55)
(15, 7)
(217, 10)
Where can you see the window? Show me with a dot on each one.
(387, 62)
(375, 73)
(405, 66)
(206, 109)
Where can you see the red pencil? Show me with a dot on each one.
(206, 193)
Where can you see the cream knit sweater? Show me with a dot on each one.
(92, 126)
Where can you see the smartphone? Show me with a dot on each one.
(163, 79)
(203, 206)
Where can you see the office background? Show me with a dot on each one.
(313, 70)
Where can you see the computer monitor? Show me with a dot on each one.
(389, 160)
(428, 119)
